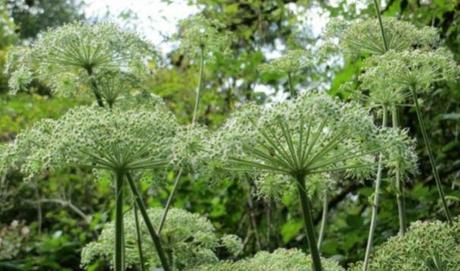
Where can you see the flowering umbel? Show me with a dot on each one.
(97, 138)
(65, 58)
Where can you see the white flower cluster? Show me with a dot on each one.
(95, 137)
(188, 237)
(391, 76)
(364, 37)
(280, 259)
(399, 152)
(198, 34)
(424, 246)
(65, 57)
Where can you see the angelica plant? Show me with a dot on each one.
(117, 141)
(403, 61)
(310, 135)
(411, 73)
(190, 241)
(72, 58)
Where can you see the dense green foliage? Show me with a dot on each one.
(51, 167)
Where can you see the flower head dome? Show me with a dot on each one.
(90, 136)
(364, 37)
(426, 245)
(75, 52)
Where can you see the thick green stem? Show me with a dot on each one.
(375, 205)
(200, 86)
(148, 223)
(139, 239)
(426, 141)
(323, 220)
(379, 16)
(398, 182)
(291, 87)
(119, 240)
(94, 88)
(169, 201)
(308, 223)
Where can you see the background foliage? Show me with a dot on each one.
(44, 223)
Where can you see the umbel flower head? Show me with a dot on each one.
(102, 139)
(198, 34)
(280, 259)
(364, 37)
(426, 246)
(190, 238)
(400, 153)
(391, 76)
(290, 62)
(312, 134)
(76, 51)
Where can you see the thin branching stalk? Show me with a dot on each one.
(308, 223)
(291, 87)
(139, 239)
(375, 205)
(398, 182)
(200, 86)
(95, 88)
(169, 201)
(195, 112)
(252, 217)
(379, 16)
(153, 234)
(119, 244)
(426, 141)
(323, 220)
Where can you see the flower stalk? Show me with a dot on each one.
(375, 205)
(153, 234)
(399, 183)
(323, 220)
(94, 87)
(308, 223)
(139, 239)
(119, 240)
(169, 201)
(426, 141)
(200, 86)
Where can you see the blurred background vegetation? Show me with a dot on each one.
(44, 223)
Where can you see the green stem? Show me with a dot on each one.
(291, 87)
(119, 261)
(148, 223)
(94, 87)
(308, 223)
(375, 205)
(379, 16)
(169, 201)
(139, 239)
(399, 184)
(199, 88)
(426, 141)
(323, 220)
